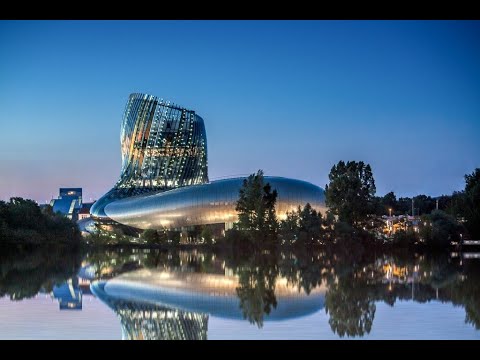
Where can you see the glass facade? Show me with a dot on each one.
(164, 175)
(163, 145)
(141, 320)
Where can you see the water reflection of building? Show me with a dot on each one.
(69, 295)
(212, 294)
(144, 321)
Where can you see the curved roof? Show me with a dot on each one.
(209, 203)
(213, 294)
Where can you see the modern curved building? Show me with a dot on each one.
(205, 293)
(164, 177)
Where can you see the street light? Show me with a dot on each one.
(390, 212)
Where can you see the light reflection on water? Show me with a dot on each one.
(152, 294)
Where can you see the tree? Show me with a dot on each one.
(174, 236)
(151, 236)
(389, 201)
(256, 205)
(256, 287)
(22, 221)
(472, 202)
(440, 230)
(351, 191)
(466, 203)
(423, 204)
(207, 235)
(288, 228)
(351, 308)
(304, 225)
(310, 224)
(404, 205)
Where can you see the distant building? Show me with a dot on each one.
(69, 202)
(69, 295)
(84, 211)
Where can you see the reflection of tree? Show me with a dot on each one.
(350, 298)
(305, 269)
(162, 259)
(257, 296)
(256, 289)
(351, 310)
(467, 293)
(23, 273)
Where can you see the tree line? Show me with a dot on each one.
(23, 222)
(354, 211)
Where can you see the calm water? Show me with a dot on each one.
(152, 294)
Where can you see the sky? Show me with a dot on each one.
(40, 318)
(289, 97)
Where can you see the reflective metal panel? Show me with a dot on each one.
(205, 293)
(207, 203)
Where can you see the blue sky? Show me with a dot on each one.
(289, 97)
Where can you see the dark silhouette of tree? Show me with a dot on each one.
(151, 236)
(351, 191)
(440, 230)
(288, 227)
(173, 236)
(350, 308)
(257, 296)
(256, 287)
(303, 225)
(472, 202)
(207, 235)
(256, 206)
(22, 221)
(25, 272)
(389, 201)
(310, 224)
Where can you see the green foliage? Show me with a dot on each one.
(207, 235)
(161, 237)
(288, 228)
(472, 202)
(456, 203)
(303, 225)
(440, 230)
(389, 201)
(22, 221)
(173, 237)
(256, 206)
(466, 204)
(310, 222)
(329, 220)
(404, 239)
(237, 240)
(351, 191)
(152, 237)
(423, 204)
